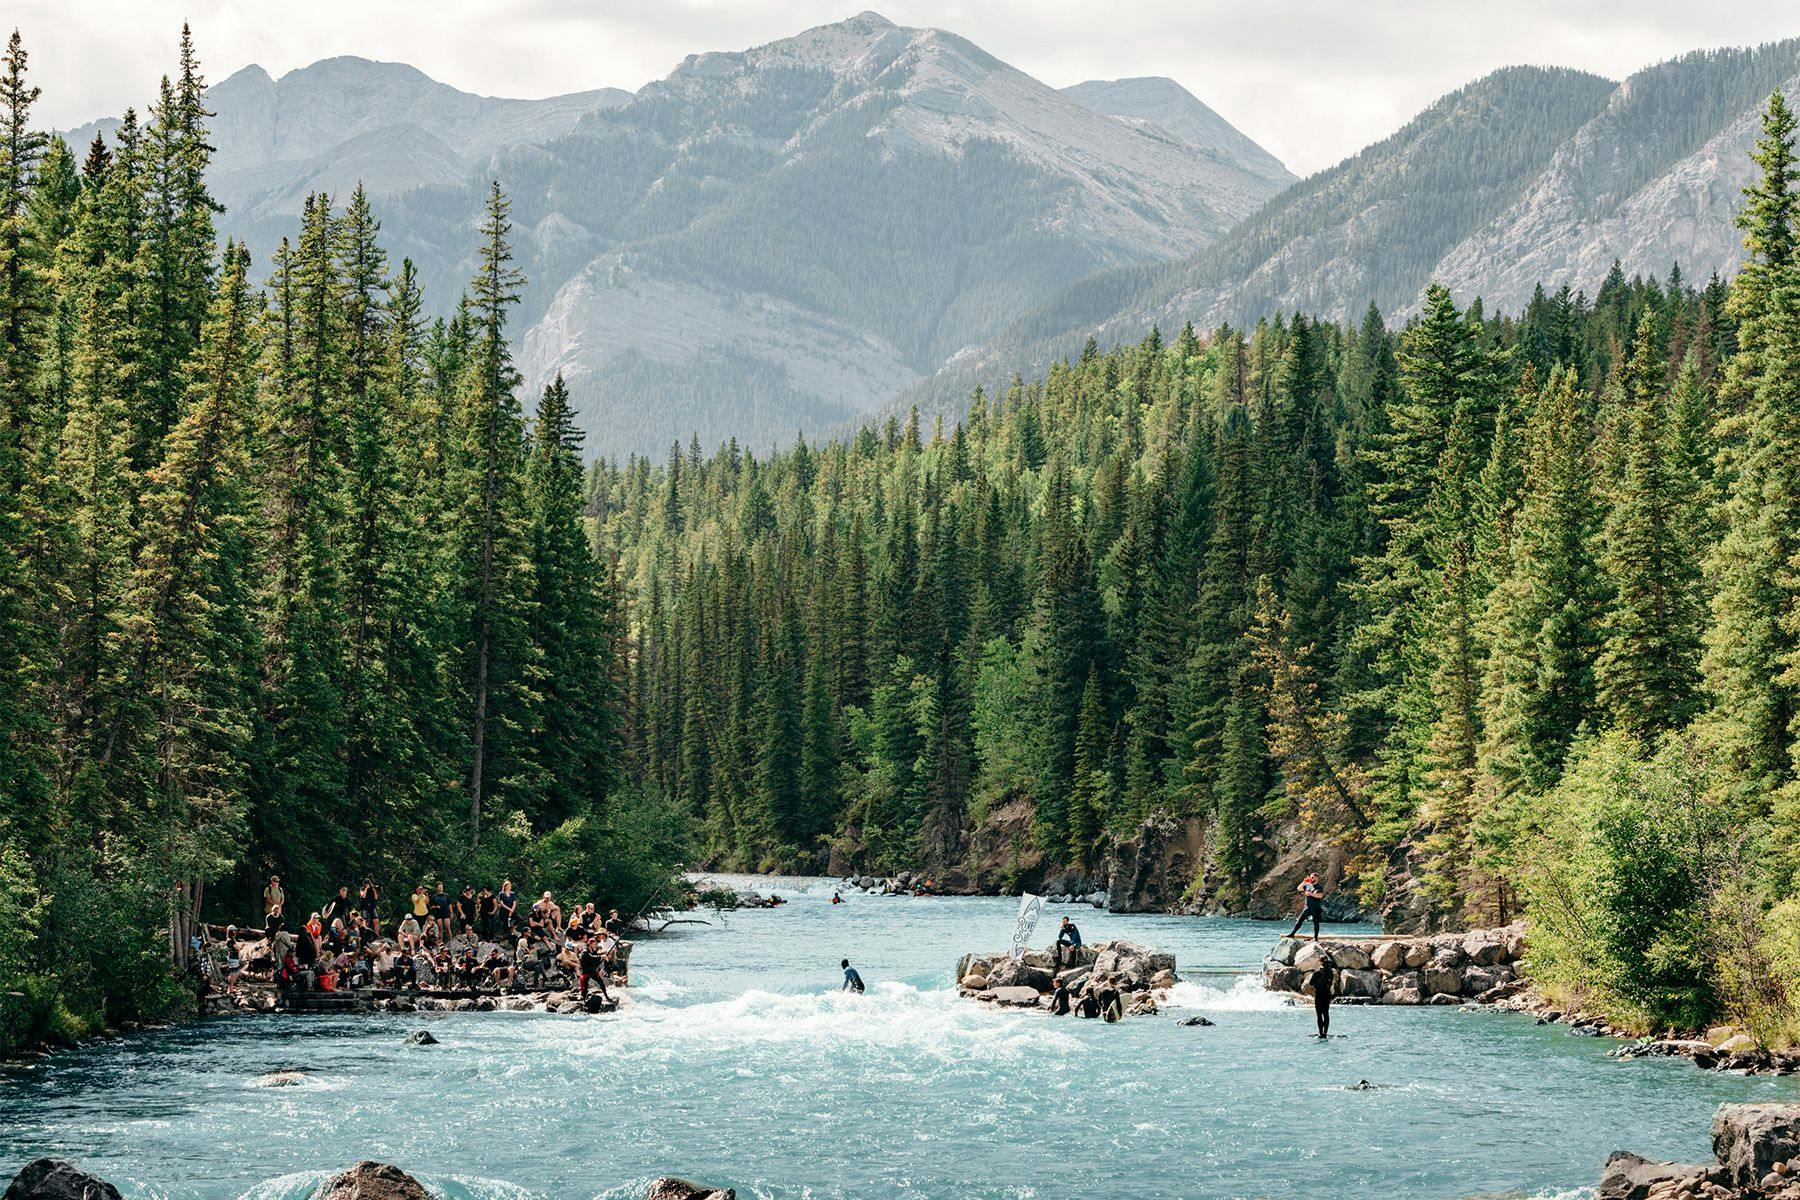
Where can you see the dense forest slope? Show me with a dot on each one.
(1526, 177)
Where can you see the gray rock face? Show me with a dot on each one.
(421, 1037)
(52, 1179)
(1749, 1139)
(369, 1180)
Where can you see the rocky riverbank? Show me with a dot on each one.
(51, 1179)
(1756, 1156)
(1137, 973)
(1483, 966)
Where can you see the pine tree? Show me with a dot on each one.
(1648, 672)
(490, 567)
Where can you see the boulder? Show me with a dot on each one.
(374, 1181)
(1310, 957)
(1038, 958)
(1628, 1176)
(1443, 981)
(1736, 1043)
(1351, 958)
(1360, 983)
(1418, 954)
(1018, 997)
(974, 982)
(52, 1179)
(1164, 979)
(1389, 956)
(1477, 980)
(1011, 973)
(421, 1037)
(1282, 979)
(670, 1188)
(1484, 947)
(1285, 950)
(1749, 1139)
(1403, 995)
(1201, 1022)
(1074, 975)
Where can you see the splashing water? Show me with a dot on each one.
(739, 1062)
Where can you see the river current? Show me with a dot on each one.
(740, 1064)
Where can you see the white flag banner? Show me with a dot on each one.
(1030, 908)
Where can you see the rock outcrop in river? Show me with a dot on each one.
(1481, 966)
(53, 1179)
(1756, 1156)
(369, 1180)
(1135, 972)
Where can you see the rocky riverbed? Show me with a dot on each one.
(1483, 966)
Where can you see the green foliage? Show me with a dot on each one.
(1621, 885)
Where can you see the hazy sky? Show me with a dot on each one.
(1312, 80)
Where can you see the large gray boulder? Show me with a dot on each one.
(1390, 957)
(1443, 981)
(53, 1179)
(369, 1180)
(1749, 1139)
(1628, 1176)
(1351, 958)
(671, 1188)
(1011, 972)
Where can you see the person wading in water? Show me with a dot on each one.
(1315, 906)
(852, 981)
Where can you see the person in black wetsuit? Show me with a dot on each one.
(1068, 941)
(852, 981)
(1314, 895)
(1324, 982)
(1059, 1001)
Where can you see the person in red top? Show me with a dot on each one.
(1314, 895)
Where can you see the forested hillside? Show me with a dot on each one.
(289, 584)
(1528, 176)
(1500, 606)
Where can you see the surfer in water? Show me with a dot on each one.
(1324, 982)
(836, 899)
(852, 981)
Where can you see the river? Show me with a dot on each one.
(738, 1063)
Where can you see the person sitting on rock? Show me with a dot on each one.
(853, 981)
(500, 972)
(1314, 908)
(1323, 982)
(1068, 944)
(410, 938)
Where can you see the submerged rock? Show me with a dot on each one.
(369, 1180)
(53, 1179)
(671, 1188)
(421, 1037)
(1198, 1021)
(281, 1079)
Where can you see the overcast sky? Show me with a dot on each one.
(1312, 80)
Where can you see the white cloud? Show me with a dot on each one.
(1312, 80)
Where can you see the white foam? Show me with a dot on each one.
(891, 1016)
(1245, 993)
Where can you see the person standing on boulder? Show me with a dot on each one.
(1315, 906)
(1323, 981)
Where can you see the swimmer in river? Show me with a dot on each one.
(1059, 1001)
(836, 899)
(852, 981)
(1315, 906)
(1324, 982)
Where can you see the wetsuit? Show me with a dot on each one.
(1323, 981)
(1068, 940)
(852, 981)
(1314, 910)
(1059, 1001)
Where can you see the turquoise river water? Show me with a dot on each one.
(738, 1063)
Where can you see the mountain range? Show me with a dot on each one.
(866, 216)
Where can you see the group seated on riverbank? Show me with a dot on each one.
(465, 944)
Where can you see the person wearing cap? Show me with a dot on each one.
(1314, 895)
